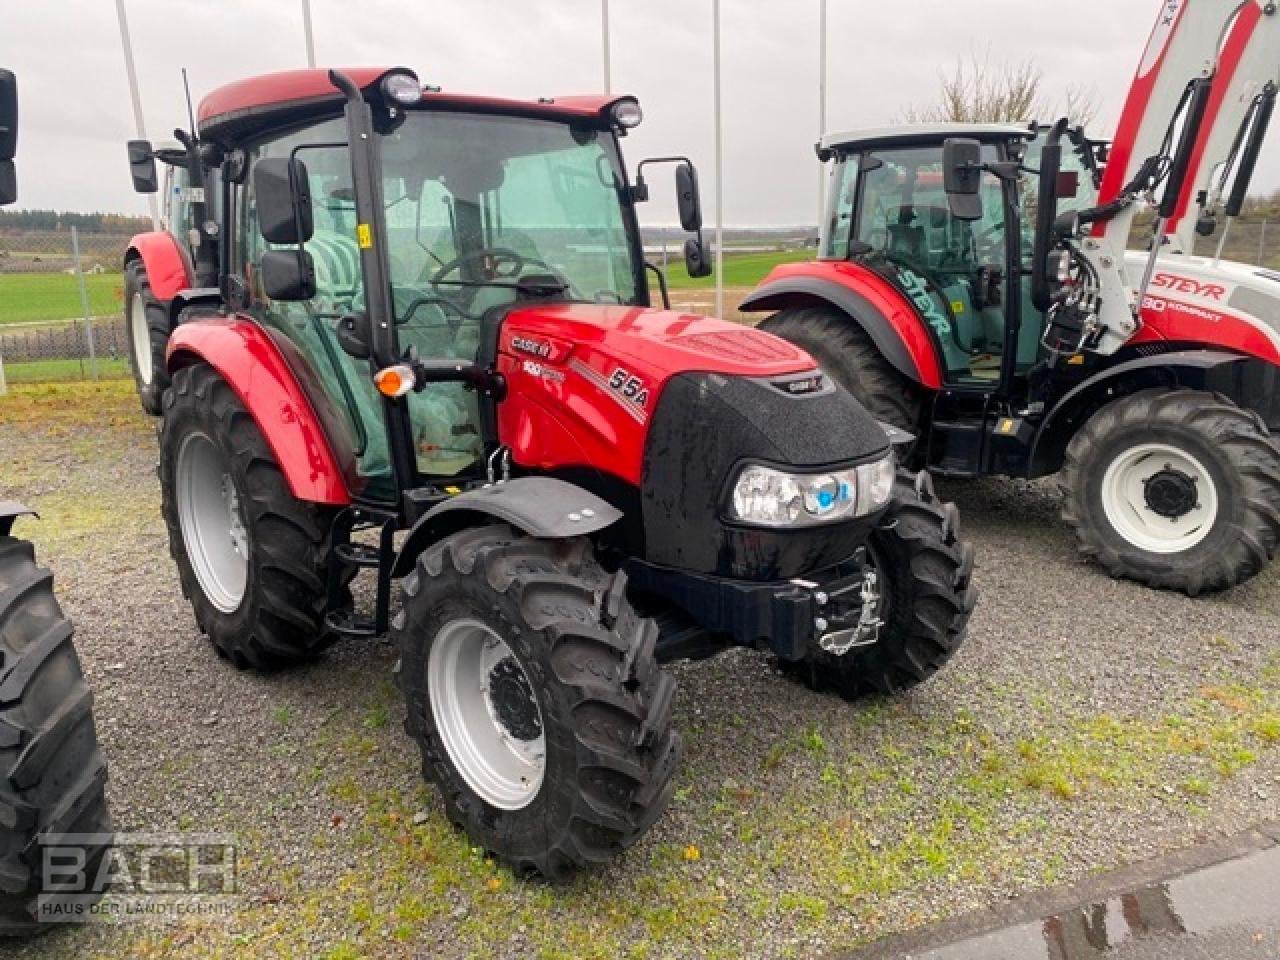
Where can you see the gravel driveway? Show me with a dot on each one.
(1086, 723)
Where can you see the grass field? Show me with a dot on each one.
(740, 269)
(27, 297)
(54, 371)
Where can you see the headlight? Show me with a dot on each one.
(401, 87)
(766, 497)
(627, 113)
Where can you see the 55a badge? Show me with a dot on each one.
(629, 387)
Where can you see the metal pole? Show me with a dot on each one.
(822, 105)
(719, 261)
(1262, 244)
(306, 33)
(604, 33)
(84, 302)
(127, 46)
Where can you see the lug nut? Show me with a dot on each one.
(820, 625)
(820, 598)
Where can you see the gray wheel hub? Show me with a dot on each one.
(212, 523)
(487, 714)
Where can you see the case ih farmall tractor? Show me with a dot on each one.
(974, 288)
(419, 311)
(52, 774)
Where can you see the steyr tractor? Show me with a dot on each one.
(974, 287)
(52, 774)
(423, 318)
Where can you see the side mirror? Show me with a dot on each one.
(283, 195)
(962, 177)
(1046, 216)
(695, 258)
(688, 199)
(288, 275)
(8, 182)
(142, 166)
(8, 115)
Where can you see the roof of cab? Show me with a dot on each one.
(239, 108)
(911, 133)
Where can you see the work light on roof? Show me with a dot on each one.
(401, 86)
(627, 113)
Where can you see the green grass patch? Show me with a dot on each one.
(61, 371)
(740, 269)
(30, 297)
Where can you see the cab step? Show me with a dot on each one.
(347, 623)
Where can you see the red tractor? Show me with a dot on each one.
(974, 288)
(53, 807)
(403, 310)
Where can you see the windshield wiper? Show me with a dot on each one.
(533, 285)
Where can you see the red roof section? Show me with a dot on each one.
(311, 86)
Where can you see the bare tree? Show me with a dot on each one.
(981, 90)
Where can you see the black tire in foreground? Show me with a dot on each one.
(1177, 489)
(583, 759)
(924, 572)
(262, 601)
(52, 774)
(845, 351)
(146, 325)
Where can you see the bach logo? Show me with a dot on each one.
(170, 876)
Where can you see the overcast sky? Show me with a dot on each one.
(884, 56)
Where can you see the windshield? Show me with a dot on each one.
(475, 202)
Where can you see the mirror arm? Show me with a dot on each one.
(662, 283)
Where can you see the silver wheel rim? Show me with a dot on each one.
(1125, 502)
(477, 689)
(141, 339)
(212, 523)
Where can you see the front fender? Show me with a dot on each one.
(167, 267)
(542, 507)
(892, 324)
(1215, 370)
(251, 362)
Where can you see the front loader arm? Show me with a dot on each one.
(1205, 65)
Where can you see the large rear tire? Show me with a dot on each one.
(251, 558)
(146, 324)
(52, 773)
(845, 351)
(1176, 489)
(535, 699)
(924, 574)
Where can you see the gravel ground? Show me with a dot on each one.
(1085, 724)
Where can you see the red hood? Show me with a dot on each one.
(585, 378)
(658, 342)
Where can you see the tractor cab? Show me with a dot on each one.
(889, 210)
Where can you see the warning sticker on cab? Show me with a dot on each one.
(364, 236)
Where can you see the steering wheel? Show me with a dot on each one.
(504, 264)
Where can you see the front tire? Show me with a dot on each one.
(250, 557)
(926, 597)
(535, 699)
(146, 324)
(1176, 489)
(52, 774)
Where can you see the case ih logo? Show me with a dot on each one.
(538, 348)
(1176, 284)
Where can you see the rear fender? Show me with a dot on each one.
(890, 322)
(167, 268)
(1246, 381)
(252, 363)
(541, 507)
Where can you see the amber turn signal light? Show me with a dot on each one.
(394, 381)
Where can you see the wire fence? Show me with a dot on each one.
(61, 306)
